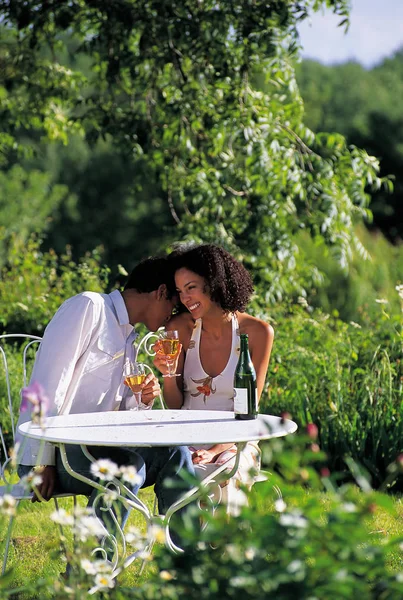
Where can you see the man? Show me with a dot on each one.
(80, 365)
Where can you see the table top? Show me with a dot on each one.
(156, 428)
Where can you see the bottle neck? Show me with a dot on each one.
(244, 344)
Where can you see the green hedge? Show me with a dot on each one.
(35, 283)
(346, 378)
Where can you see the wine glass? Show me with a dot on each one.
(135, 374)
(168, 344)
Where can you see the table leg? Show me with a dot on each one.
(215, 478)
(125, 496)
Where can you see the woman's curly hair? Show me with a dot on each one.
(228, 283)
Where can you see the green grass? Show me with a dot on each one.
(35, 537)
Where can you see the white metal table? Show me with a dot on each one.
(155, 428)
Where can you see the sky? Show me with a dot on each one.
(376, 32)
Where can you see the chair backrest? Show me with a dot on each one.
(14, 348)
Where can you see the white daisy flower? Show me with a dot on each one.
(31, 480)
(8, 505)
(349, 507)
(166, 576)
(89, 526)
(105, 469)
(250, 553)
(103, 566)
(399, 289)
(145, 555)
(62, 517)
(280, 505)
(129, 475)
(134, 536)
(88, 566)
(110, 496)
(294, 519)
(157, 533)
(103, 581)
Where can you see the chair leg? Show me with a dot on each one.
(57, 508)
(55, 500)
(143, 562)
(8, 540)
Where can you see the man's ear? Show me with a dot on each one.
(162, 292)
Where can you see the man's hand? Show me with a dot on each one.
(150, 389)
(46, 487)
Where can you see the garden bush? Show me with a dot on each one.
(345, 377)
(318, 542)
(305, 546)
(34, 284)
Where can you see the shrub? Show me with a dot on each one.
(347, 378)
(34, 284)
(305, 546)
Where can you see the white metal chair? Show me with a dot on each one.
(28, 344)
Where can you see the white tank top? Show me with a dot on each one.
(202, 392)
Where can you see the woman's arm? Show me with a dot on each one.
(204, 456)
(261, 336)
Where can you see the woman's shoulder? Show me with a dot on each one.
(254, 327)
(183, 323)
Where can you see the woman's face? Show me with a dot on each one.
(192, 292)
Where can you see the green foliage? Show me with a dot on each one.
(316, 542)
(375, 270)
(27, 200)
(111, 189)
(345, 377)
(34, 284)
(305, 546)
(361, 104)
(172, 86)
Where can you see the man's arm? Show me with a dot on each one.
(65, 339)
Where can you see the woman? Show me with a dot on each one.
(214, 289)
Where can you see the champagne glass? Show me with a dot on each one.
(168, 344)
(135, 374)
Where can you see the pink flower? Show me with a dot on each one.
(312, 431)
(284, 416)
(35, 399)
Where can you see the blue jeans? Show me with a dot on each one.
(154, 465)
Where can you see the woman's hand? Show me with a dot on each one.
(202, 457)
(160, 360)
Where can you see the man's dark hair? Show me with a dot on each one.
(152, 272)
(228, 283)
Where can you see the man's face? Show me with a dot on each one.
(160, 311)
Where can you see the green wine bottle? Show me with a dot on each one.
(245, 391)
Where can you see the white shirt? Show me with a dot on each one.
(80, 363)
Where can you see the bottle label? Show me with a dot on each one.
(241, 401)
